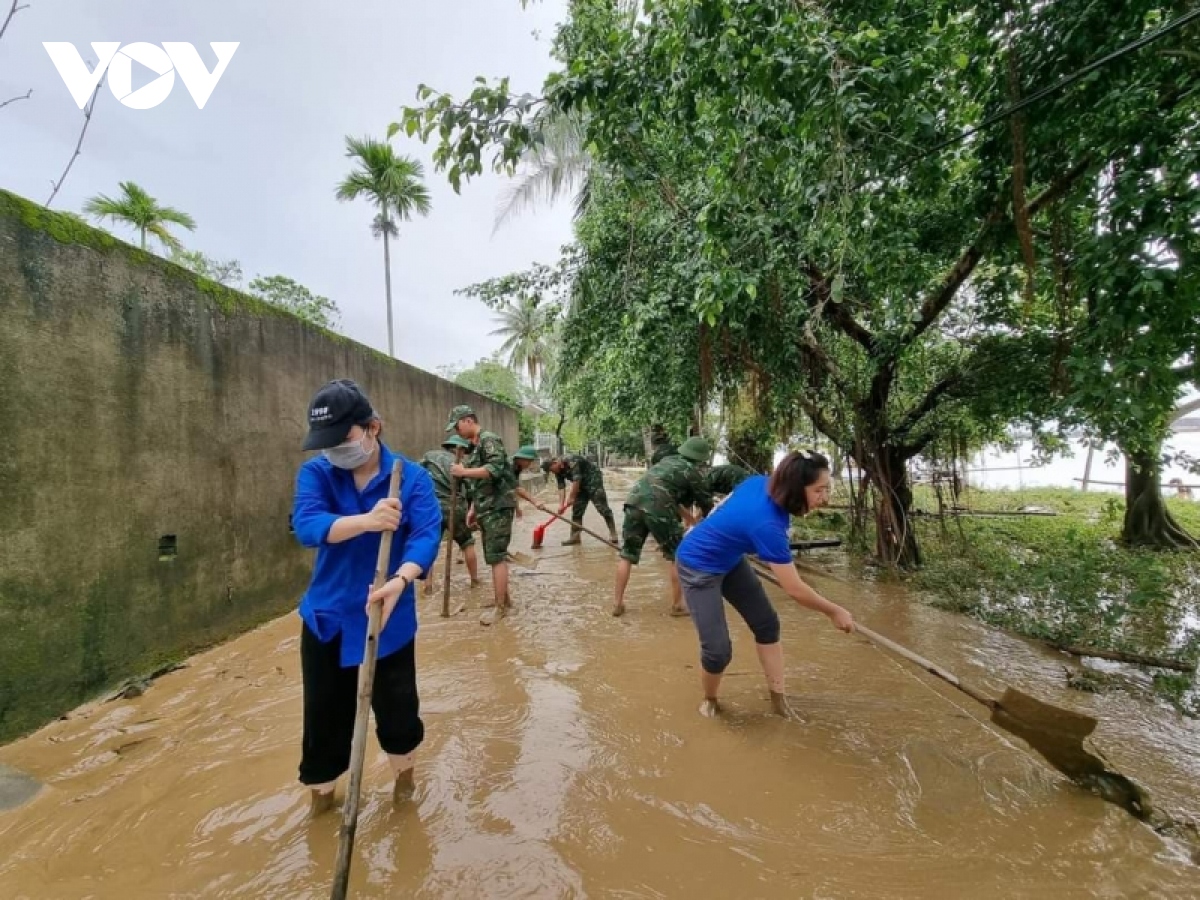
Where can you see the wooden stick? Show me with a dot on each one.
(458, 452)
(366, 680)
(1137, 659)
(582, 528)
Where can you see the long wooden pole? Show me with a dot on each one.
(582, 528)
(458, 452)
(366, 680)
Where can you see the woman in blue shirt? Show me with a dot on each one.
(755, 518)
(341, 508)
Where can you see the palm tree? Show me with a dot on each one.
(395, 185)
(139, 210)
(557, 162)
(524, 326)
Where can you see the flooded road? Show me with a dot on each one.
(565, 758)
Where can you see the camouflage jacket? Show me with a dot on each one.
(661, 452)
(580, 468)
(723, 479)
(496, 492)
(671, 483)
(437, 463)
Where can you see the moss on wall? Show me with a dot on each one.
(142, 402)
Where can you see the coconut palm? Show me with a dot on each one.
(558, 162)
(137, 209)
(524, 326)
(395, 185)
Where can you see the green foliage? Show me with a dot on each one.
(525, 326)
(1064, 579)
(393, 184)
(628, 444)
(764, 214)
(223, 272)
(555, 162)
(285, 293)
(493, 379)
(137, 209)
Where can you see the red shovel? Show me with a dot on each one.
(539, 533)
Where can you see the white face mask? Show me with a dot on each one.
(351, 454)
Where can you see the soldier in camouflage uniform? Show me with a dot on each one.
(587, 486)
(662, 451)
(526, 458)
(493, 482)
(437, 463)
(723, 479)
(653, 508)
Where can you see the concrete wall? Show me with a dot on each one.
(138, 401)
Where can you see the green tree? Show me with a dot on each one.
(783, 203)
(395, 186)
(523, 325)
(137, 209)
(556, 162)
(297, 299)
(226, 272)
(493, 379)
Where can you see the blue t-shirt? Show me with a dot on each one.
(749, 521)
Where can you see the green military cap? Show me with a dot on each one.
(696, 449)
(454, 441)
(526, 452)
(459, 412)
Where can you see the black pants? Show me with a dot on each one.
(330, 698)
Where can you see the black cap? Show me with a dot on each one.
(336, 408)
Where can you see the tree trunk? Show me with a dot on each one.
(558, 441)
(387, 280)
(747, 448)
(836, 462)
(895, 538)
(1148, 522)
(648, 442)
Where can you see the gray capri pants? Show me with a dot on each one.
(705, 594)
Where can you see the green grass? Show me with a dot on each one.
(1063, 579)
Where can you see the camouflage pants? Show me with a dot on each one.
(495, 525)
(667, 529)
(597, 497)
(462, 534)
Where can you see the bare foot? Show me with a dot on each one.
(710, 708)
(679, 611)
(489, 617)
(618, 610)
(322, 802)
(405, 786)
(781, 706)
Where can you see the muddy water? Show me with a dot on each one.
(565, 758)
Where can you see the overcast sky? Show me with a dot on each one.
(257, 166)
